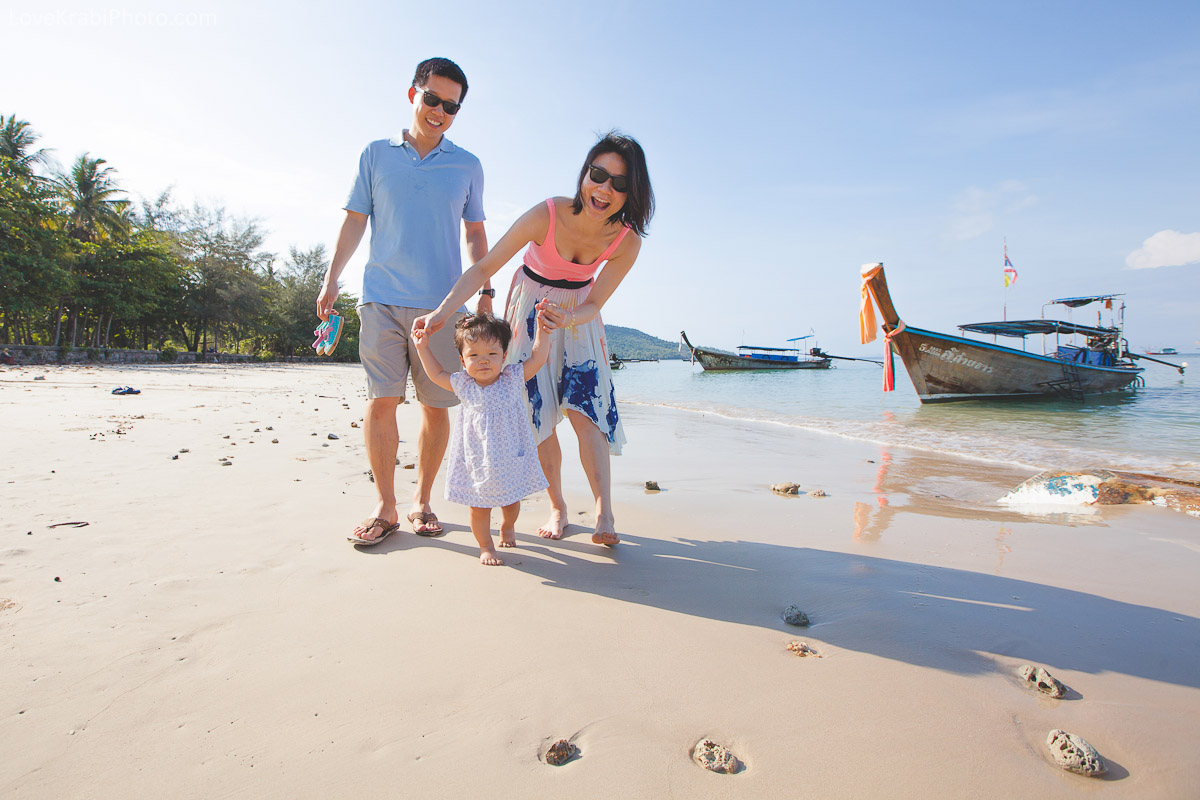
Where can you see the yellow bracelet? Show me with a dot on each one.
(571, 325)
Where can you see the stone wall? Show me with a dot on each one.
(37, 354)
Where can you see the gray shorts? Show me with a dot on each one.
(387, 354)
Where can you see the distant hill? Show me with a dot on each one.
(632, 343)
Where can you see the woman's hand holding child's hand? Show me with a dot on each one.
(543, 325)
(551, 315)
(426, 324)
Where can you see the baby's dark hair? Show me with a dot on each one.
(474, 327)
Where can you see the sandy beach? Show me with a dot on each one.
(210, 632)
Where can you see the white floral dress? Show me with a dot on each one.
(493, 455)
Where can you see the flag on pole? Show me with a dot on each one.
(1010, 274)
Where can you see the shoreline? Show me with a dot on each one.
(212, 632)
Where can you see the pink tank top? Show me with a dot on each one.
(545, 261)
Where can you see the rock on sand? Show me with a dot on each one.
(1074, 754)
(714, 757)
(560, 753)
(1040, 678)
(792, 615)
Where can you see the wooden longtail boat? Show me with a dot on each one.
(947, 368)
(755, 357)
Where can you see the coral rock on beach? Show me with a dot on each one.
(792, 615)
(817, 493)
(1074, 754)
(1106, 488)
(714, 757)
(802, 650)
(652, 486)
(560, 753)
(1040, 678)
(785, 488)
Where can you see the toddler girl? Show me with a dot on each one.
(493, 455)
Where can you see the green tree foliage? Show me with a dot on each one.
(632, 343)
(221, 286)
(94, 207)
(82, 265)
(32, 254)
(17, 139)
(293, 306)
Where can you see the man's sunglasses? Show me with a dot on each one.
(433, 101)
(599, 175)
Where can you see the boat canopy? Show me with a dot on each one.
(1030, 327)
(801, 338)
(770, 349)
(1076, 302)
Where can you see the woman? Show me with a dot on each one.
(579, 252)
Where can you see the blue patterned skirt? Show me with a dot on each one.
(576, 374)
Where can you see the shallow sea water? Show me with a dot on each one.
(1154, 429)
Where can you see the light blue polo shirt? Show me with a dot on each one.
(416, 207)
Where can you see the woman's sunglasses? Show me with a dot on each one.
(433, 101)
(599, 175)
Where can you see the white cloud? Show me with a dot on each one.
(1166, 249)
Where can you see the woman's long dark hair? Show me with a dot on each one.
(639, 200)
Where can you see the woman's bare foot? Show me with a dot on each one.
(554, 527)
(508, 538)
(606, 532)
(489, 558)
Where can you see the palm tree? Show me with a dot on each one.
(91, 201)
(16, 142)
(93, 210)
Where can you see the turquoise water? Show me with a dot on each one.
(1154, 429)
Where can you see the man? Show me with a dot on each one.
(415, 188)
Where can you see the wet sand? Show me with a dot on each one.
(212, 633)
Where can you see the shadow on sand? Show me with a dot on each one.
(925, 615)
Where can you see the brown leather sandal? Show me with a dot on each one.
(386, 529)
(428, 520)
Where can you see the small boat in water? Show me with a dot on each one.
(750, 357)
(1166, 351)
(946, 368)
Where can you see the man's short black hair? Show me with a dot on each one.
(443, 67)
(476, 327)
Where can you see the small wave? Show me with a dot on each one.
(973, 442)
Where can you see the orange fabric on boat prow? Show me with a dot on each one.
(866, 310)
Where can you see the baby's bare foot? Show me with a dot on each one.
(554, 527)
(489, 558)
(508, 538)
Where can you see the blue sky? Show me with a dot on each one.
(789, 143)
